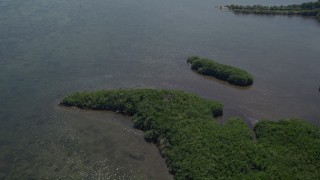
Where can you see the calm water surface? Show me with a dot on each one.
(49, 49)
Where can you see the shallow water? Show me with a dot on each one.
(49, 49)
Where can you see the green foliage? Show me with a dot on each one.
(231, 74)
(304, 9)
(291, 143)
(197, 147)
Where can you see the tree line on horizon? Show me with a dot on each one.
(311, 9)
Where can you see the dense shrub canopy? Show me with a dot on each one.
(231, 74)
(197, 147)
(304, 9)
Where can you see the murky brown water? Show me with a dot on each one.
(49, 49)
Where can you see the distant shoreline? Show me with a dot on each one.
(311, 9)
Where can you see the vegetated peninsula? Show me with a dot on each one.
(227, 73)
(196, 146)
(304, 9)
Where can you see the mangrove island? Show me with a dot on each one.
(196, 146)
(227, 73)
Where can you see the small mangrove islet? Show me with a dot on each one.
(311, 9)
(196, 146)
(227, 73)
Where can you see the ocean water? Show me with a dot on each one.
(49, 49)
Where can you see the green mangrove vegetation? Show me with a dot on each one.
(227, 73)
(196, 146)
(304, 9)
